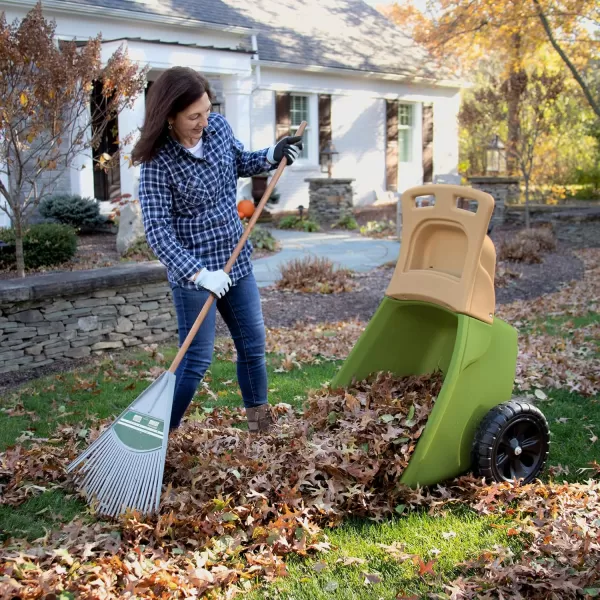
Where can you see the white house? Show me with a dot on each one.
(357, 80)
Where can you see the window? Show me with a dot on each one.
(299, 113)
(405, 132)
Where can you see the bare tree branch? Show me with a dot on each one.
(578, 78)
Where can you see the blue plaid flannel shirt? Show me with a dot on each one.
(189, 204)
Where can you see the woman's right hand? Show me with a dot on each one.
(217, 282)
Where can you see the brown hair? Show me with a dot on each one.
(171, 93)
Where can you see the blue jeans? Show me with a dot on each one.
(242, 313)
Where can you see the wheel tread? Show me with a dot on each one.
(492, 426)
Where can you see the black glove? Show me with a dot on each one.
(288, 146)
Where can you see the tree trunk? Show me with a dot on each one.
(18, 225)
(513, 132)
(527, 215)
(514, 100)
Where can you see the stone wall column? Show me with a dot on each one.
(504, 190)
(330, 199)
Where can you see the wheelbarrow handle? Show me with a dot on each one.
(227, 268)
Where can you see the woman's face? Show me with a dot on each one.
(190, 122)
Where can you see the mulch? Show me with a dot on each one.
(284, 309)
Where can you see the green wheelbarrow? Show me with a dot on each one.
(438, 314)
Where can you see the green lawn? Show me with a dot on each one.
(104, 390)
(441, 543)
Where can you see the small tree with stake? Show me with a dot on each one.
(538, 110)
(45, 118)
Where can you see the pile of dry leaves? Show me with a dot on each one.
(233, 504)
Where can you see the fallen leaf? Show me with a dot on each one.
(371, 578)
(319, 566)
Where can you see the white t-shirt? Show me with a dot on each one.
(197, 150)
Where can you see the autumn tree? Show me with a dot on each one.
(45, 116)
(460, 33)
(538, 112)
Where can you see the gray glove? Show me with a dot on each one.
(288, 146)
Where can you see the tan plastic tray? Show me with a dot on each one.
(446, 256)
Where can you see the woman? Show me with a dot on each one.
(190, 163)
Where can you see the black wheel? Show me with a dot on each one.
(512, 443)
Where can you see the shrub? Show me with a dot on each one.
(295, 222)
(308, 226)
(313, 274)
(528, 245)
(347, 222)
(504, 275)
(81, 213)
(378, 229)
(44, 245)
(288, 222)
(140, 250)
(263, 239)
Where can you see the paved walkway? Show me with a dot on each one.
(349, 250)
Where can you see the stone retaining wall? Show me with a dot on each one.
(70, 315)
(547, 213)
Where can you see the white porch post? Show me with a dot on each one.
(237, 91)
(82, 166)
(130, 121)
(4, 218)
(445, 135)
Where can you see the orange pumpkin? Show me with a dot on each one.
(240, 214)
(246, 208)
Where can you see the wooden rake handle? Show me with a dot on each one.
(211, 298)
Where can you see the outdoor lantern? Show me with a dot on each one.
(327, 157)
(300, 211)
(496, 157)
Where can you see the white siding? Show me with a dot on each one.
(358, 112)
(358, 133)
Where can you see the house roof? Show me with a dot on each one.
(342, 34)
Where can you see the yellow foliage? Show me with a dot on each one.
(465, 31)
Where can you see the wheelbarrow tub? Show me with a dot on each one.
(477, 359)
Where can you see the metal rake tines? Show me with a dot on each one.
(118, 478)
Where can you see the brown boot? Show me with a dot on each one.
(260, 418)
